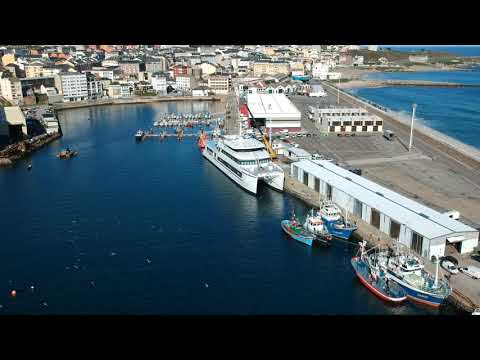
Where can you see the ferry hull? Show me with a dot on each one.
(248, 183)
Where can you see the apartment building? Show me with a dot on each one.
(34, 69)
(11, 89)
(129, 67)
(153, 65)
(74, 86)
(220, 84)
(184, 82)
(159, 84)
(270, 68)
(94, 87)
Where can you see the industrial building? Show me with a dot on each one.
(276, 111)
(12, 123)
(345, 120)
(420, 228)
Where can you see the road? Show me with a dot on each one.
(457, 162)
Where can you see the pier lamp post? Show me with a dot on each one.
(411, 127)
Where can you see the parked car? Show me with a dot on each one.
(472, 271)
(389, 135)
(449, 266)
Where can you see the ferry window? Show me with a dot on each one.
(394, 230)
(354, 128)
(357, 123)
(342, 128)
(368, 123)
(375, 128)
(364, 128)
(417, 241)
(329, 192)
(379, 123)
(305, 178)
(375, 218)
(347, 123)
(332, 128)
(317, 184)
(295, 172)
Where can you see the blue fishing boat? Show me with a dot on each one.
(334, 223)
(294, 229)
(408, 272)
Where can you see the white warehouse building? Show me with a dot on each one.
(418, 227)
(278, 112)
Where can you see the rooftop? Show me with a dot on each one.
(272, 106)
(419, 218)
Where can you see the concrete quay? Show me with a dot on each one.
(465, 291)
(133, 100)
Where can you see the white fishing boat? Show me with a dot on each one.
(315, 225)
(245, 161)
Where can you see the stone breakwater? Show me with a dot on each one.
(384, 83)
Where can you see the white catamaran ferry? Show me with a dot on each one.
(244, 160)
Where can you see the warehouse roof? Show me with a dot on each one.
(273, 106)
(419, 218)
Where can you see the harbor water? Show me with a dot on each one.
(452, 111)
(151, 227)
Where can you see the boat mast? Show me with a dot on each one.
(436, 274)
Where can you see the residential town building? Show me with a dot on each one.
(74, 86)
(11, 89)
(129, 67)
(35, 69)
(184, 82)
(270, 68)
(159, 84)
(220, 84)
(94, 87)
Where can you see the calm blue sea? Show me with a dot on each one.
(459, 50)
(453, 111)
(153, 228)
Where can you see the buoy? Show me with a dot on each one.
(13, 293)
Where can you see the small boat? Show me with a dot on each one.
(314, 225)
(377, 282)
(139, 135)
(29, 167)
(67, 154)
(295, 230)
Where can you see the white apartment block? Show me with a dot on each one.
(219, 84)
(95, 89)
(184, 82)
(102, 73)
(74, 86)
(159, 84)
(11, 90)
(320, 71)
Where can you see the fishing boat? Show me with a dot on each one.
(334, 222)
(314, 224)
(139, 135)
(67, 154)
(408, 271)
(376, 281)
(202, 140)
(295, 230)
